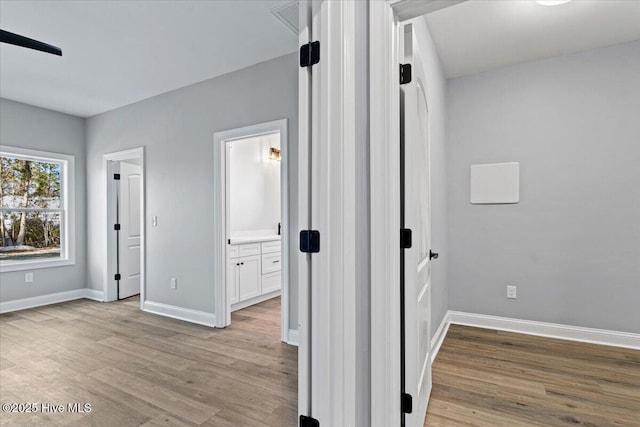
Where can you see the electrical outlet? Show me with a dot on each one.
(511, 292)
(154, 221)
(174, 283)
(28, 277)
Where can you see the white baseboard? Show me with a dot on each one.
(94, 294)
(255, 300)
(438, 338)
(39, 301)
(186, 314)
(293, 337)
(550, 330)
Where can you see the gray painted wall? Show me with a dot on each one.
(176, 129)
(572, 244)
(437, 102)
(25, 126)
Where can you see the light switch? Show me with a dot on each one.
(154, 221)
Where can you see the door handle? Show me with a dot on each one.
(433, 255)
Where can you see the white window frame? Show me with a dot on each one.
(67, 210)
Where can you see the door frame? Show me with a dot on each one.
(221, 214)
(110, 286)
(386, 18)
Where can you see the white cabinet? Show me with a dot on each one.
(249, 277)
(271, 263)
(253, 273)
(232, 280)
(271, 282)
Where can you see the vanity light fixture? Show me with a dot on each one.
(274, 153)
(552, 2)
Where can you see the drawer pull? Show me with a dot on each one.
(276, 261)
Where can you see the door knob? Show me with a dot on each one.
(433, 255)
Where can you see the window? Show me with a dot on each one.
(37, 209)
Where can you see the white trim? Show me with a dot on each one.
(255, 300)
(109, 285)
(221, 213)
(39, 301)
(186, 314)
(67, 212)
(549, 330)
(304, 215)
(292, 337)
(94, 294)
(385, 215)
(408, 9)
(439, 336)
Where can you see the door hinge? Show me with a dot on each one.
(116, 227)
(117, 276)
(405, 238)
(116, 176)
(309, 54)
(405, 73)
(406, 403)
(310, 241)
(308, 421)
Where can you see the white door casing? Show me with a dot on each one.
(327, 179)
(129, 217)
(416, 216)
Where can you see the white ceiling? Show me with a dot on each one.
(119, 52)
(480, 35)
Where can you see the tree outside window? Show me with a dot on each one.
(32, 222)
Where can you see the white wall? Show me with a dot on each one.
(572, 244)
(26, 126)
(254, 187)
(176, 129)
(436, 85)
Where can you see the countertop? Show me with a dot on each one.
(254, 239)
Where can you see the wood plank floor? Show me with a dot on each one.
(136, 368)
(483, 377)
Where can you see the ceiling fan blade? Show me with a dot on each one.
(18, 40)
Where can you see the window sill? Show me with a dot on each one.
(33, 265)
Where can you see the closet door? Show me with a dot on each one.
(249, 277)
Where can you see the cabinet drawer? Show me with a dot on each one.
(271, 282)
(271, 263)
(233, 251)
(249, 249)
(271, 247)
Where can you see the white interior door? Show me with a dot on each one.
(129, 204)
(416, 216)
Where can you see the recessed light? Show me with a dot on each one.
(552, 2)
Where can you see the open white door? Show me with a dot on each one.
(129, 209)
(416, 217)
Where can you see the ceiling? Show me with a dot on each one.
(119, 52)
(481, 35)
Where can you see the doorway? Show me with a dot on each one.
(252, 224)
(124, 176)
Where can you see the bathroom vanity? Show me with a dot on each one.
(254, 265)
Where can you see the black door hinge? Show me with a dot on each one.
(116, 176)
(308, 421)
(310, 241)
(117, 276)
(405, 73)
(309, 54)
(406, 403)
(405, 238)
(116, 227)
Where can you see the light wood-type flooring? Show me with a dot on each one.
(136, 368)
(483, 377)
